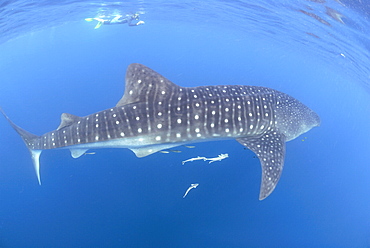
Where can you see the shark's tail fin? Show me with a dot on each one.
(29, 139)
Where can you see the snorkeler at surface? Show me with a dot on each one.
(131, 20)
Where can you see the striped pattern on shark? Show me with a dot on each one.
(156, 114)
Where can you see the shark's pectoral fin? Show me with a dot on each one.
(76, 153)
(67, 120)
(270, 149)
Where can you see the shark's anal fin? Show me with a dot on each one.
(148, 150)
(76, 153)
(35, 154)
(67, 120)
(270, 149)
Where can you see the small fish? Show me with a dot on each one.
(192, 186)
(168, 151)
(164, 151)
(176, 151)
(89, 153)
(219, 158)
(193, 159)
(189, 146)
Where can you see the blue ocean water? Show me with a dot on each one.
(52, 61)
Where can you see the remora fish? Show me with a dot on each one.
(156, 114)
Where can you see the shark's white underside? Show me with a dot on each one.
(155, 114)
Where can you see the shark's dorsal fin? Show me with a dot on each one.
(67, 120)
(143, 84)
(270, 149)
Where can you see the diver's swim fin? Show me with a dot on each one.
(89, 19)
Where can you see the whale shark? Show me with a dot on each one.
(155, 114)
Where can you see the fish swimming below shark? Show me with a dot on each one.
(155, 114)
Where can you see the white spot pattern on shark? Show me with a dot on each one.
(155, 114)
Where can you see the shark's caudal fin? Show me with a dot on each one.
(28, 139)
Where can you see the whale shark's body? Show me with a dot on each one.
(156, 114)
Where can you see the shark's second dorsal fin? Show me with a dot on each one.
(67, 120)
(143, 84)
